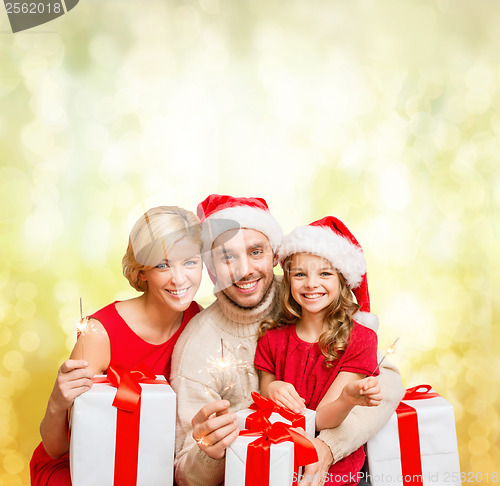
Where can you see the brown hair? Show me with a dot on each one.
(338, 316)
(152, 236)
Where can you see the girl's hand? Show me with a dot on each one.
(365, 392)
(284, 394)
(73, 378)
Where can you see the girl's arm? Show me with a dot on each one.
(347, 391)
(282, 393)
(90, 356)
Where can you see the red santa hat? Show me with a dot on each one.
(219, 213)
(332, 240)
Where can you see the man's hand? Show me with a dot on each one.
(214, 429)
(315, 474)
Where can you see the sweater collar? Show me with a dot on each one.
(245, 317)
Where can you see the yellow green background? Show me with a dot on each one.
(384, 113)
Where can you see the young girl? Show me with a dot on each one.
(318, 355)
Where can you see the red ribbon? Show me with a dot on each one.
(258, 464)
(264, 407)
(409, 441)
(128, 418)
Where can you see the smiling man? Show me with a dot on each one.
(240, 241)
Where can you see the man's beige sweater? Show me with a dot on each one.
(197, 380)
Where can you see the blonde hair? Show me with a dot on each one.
(338, 316)
(153, 235)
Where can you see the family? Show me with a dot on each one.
(305, 340)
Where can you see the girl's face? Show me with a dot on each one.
(176, 279)
(314, 283)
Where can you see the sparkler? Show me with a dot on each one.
(224, 367)
(83, 327)
(390, 350)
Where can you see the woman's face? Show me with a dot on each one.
(176, 278)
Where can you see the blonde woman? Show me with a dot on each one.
(162, 261)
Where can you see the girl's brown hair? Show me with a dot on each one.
(338, 316)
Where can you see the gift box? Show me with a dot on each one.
(123, 431)
(269, 453)
(418, 445)
(264, 407)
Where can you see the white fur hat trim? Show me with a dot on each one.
(240, 217)
(322, 241)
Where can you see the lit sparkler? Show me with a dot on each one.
(84, 326)
(390, 350)
(224, 367)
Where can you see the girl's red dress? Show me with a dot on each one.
(127, 351)
(282, 353)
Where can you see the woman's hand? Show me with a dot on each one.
(73, 378)
(365, 392)
(284, 394)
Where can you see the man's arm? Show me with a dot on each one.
(363, 423)
(193, 467)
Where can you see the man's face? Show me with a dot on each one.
(243, 265)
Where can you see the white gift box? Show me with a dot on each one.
(310, 416)
(93, 436)
(281, 463)
(435, 448)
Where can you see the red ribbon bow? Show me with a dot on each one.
(128, 418)
(258, 464)
(264, 407)
(409, 442)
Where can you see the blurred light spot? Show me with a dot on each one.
(479, 446)
(44, 224)
(474, 194)
(29, 341)
(25, 308)
(96, 136)
(13, 360)
(7, 389)
(13, 463)
(37, 138)
(104, 51)
(455, 111)
(26, 290)
(11, 480)
(216, 58)
(447, 137)
(121, 193)
(67, 291)
(4, 280)
(210, 6)
(13, 183)
(422, 124)
(477, 102)
(94, 243)
(478, 78)
(394, 187)
(5, 406)
(5, 336)
(21, 379)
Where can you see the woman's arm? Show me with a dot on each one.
(347, 391)
(91, 355)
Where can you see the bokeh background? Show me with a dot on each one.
(384, 113)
